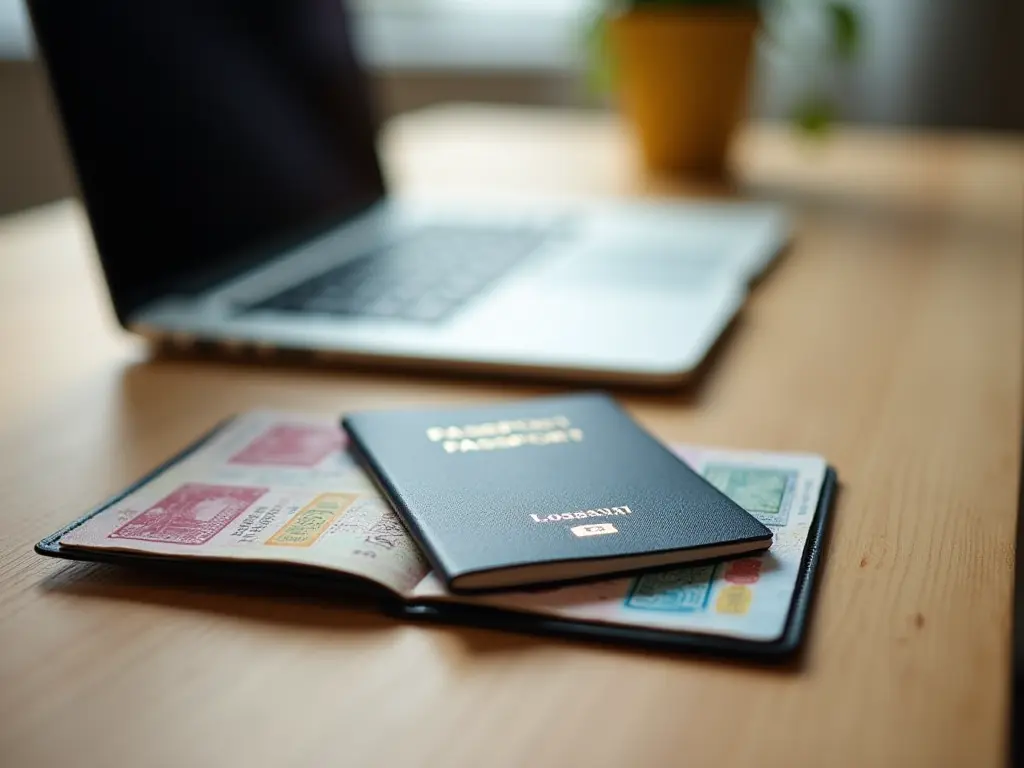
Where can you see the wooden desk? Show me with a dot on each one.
(889, 339)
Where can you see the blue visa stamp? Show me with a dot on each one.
(683, 590)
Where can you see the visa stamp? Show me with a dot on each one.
(310, 522)
(291, 445)
(193, 514)
(765, 493)
(744, 571)
(683, 590)
(734, 599)
(386, 532)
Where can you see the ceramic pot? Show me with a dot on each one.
(683, 82)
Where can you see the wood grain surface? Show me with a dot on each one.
(889, 339)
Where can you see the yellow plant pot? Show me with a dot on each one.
(682, 80)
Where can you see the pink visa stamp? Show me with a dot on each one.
(291, 445)
(193, 514)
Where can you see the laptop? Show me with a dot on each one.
(226, 155)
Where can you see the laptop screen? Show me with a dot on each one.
(207, 134)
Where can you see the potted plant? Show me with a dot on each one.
(682, 67)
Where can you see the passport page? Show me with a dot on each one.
(267, 487)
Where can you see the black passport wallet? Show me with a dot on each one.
(319, 520)
(545, 490)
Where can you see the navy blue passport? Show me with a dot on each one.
(545, 490)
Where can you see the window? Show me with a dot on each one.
(542, 35)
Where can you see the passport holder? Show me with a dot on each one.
(263, 444)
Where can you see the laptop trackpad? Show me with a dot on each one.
(648, 264)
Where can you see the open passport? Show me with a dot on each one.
(278, 496)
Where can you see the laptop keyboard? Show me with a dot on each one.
(423, 278)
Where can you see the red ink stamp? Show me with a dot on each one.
(291, 445)
(746, 571)
(193, 514)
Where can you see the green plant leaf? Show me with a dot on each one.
(814, 116)
(845, 25)
(601, 69)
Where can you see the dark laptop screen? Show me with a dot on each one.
(206, 132)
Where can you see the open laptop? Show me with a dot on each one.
(225, 151)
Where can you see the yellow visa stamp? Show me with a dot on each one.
(309, 523)
(735, 599)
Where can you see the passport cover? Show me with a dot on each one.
(545, 490)
(280, 578)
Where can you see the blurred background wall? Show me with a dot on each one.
(941, 64)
